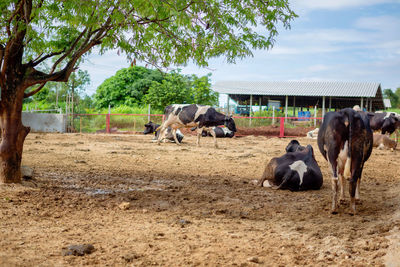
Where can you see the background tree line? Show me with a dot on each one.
(394, 97)
(127, 90)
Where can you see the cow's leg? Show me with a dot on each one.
(354, 183)
(352, 191)
(214, 137)
(342, 183)
(332, 160)
(161, 134)
(199, 131)
(174, 135)
(357, 196)
(342, 160)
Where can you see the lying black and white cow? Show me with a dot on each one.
(345, 140)
(295, 171)
(152, 127)
(220, 132)
(193, 115)
(294, 146)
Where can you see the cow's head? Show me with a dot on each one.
(294, 146)
(230, 123)
(149, 127)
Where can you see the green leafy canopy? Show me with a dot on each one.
(158, 32)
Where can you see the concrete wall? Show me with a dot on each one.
(45, 122)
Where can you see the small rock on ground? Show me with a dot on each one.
(77, 250)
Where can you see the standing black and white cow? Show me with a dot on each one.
(385, 122)
(220, 132)
(193, 115)
(152, 127)
(295, 171)
(345, 140)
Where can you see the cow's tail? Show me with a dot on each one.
(350, 120)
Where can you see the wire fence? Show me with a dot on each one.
(134, 123)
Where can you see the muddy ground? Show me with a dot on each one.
(188, 206)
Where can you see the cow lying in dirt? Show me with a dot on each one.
(295, 171)
(382, 141)
(220, 132)
(152, 127)
(199, 116)
(294, 146)
(313, 134)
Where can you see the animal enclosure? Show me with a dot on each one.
(188, 205)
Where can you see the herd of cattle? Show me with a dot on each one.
(345, 139)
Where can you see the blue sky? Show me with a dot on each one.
(331, 40)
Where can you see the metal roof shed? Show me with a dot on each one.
(304, 94)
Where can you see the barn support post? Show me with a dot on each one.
(286, 106)
(259, 102)
(294, 106)
(251, 107)
(323, 107)
(362, 104)
(330, 103)
(370, 105)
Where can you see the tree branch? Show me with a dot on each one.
(39, 60)
(17, 9)
(69, 50)
(31, 93)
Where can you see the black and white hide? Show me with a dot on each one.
(152, 127)
(294, 171)
(345, 140)
(193, 115)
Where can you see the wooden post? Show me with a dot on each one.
(330, 103)
(323, 107)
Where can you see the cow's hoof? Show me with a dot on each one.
(334, 212)
(342, 201)
(352, 212)
(358, 201)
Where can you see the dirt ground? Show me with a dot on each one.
(189, 206)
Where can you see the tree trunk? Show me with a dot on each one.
(13, 135)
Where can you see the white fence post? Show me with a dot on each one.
(149, 113)
(273, 114)
(315, 116)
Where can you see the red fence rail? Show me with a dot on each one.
(94, 123)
